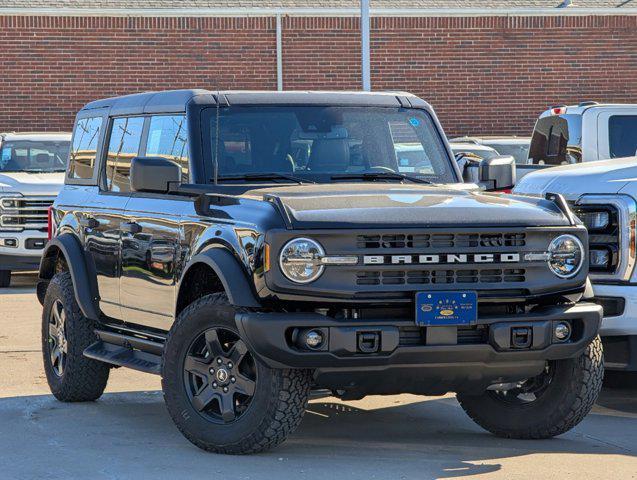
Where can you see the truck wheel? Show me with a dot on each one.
(545, 406)
(218, 394)
(5, 278)
(65, 335)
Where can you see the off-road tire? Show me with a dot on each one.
(279, 400)
(83, 379)
(566, 401)
(5, 278)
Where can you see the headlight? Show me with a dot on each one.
(300, 260)
(566, 256)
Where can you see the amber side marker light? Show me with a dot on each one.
(266, 258)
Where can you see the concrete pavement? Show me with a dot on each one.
(128, 433)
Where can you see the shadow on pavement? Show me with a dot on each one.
(130, 435)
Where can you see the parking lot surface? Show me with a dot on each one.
(128, 434)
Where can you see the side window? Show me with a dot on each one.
(168, 137)
(123, 146)
(622, 135)
(84, 148)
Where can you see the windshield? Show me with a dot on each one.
(317, 143)
(34, 156)
(519, 151)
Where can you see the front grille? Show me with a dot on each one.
(441, 240)
(425, 277)
(25, 212)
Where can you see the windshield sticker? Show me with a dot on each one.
(414, 121)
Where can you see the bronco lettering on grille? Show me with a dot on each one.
(441, 258)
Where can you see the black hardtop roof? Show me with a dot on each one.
(176, 100)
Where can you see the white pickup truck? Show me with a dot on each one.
(603, 193)
(32, 169)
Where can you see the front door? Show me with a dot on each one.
(150, 253)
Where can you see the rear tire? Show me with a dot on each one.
(5, 278)
(66, 333)
(220, 396)
(563, 396)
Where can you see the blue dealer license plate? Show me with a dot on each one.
(446, 308)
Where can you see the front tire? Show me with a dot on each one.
(66, 333)
(545, 406)
(220, 396)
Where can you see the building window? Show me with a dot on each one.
(168, 138)
(126, 134)
(84, 148)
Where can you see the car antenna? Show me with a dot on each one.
(216, 165)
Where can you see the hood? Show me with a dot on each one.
(382, 205)
(26, 183)
(572, 181)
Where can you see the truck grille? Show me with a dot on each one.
(424, 277)
(441, 240)
(25, 213)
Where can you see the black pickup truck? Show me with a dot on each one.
(250, 247)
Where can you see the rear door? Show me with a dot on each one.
(109, 210)
(151, 240)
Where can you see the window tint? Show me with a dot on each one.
(126, 134)
(622, 134)
(168, 137)
(84, 148)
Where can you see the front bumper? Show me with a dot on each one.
(21, 251)
(619, 329)
(438, 363)
(626, 322)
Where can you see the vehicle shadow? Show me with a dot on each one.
(21, 283)
(431, 438)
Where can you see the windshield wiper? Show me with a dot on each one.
(265, 176)
(372, 176)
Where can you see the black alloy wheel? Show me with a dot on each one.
(219, 375)
(58, 346)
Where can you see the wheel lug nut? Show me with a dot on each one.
(219, 361)
(229, 364)
(232, 379)
(225, 389)
(214, 385)
(212, 370)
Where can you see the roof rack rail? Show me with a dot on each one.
(588, 103)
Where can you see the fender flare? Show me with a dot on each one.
(84, 284)
(232, 275)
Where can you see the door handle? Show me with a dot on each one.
(131, 227)
(89, 222)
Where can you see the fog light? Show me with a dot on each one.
(562, 331)
(313, 339)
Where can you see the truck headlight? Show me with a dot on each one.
(566, 256)
(300, 260)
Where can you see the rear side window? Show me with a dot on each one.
(622, 135)
(84, 148)
(123, 146)
(168, 138)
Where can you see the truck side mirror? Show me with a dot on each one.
(154, 174)
(497, 173)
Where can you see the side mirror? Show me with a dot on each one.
(497, 173)
(154, 174)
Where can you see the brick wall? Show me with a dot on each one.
(483, 75)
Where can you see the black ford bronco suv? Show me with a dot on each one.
(250, 247)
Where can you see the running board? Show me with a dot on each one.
(126, 351)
